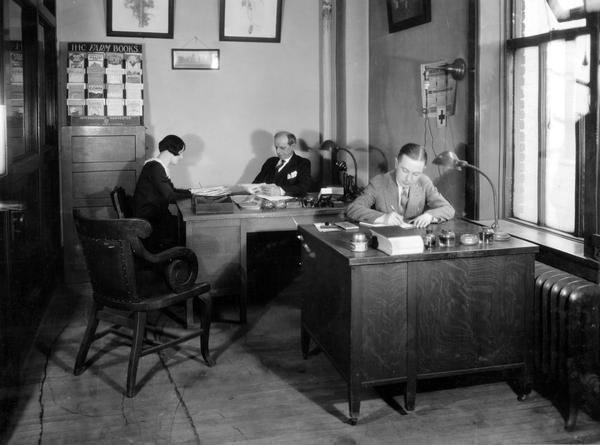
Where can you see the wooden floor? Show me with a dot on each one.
(261, 391)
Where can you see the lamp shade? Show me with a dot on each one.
(448, 159)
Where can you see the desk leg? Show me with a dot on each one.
(411, 348)
(243, 272)
(354, 389)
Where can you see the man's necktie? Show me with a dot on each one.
(279, 164)
(403, 200)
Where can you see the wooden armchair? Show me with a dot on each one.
(122, 202)
(124, 294)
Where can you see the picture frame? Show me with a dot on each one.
(195, 59)
(125, 20)
(250, 20)
(404, 14)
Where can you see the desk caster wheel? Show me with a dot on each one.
(353, 420)
(522, 397)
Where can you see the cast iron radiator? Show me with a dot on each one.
(567, 336)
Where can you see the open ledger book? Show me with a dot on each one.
(395, 240)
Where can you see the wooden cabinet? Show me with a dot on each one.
(93, 161)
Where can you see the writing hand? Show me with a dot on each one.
(271, 190)
(254, 189)
(422, 220)
(393, 219)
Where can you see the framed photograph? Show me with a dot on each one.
(126, 18)
(195, 59)
(250, 20)
(403, 14)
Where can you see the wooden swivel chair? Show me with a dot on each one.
(124, 294)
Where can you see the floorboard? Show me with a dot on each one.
(261, 391)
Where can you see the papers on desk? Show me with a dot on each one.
(219, 190)
(247, 202)
(274, 198)
(326, 227)
(404, 225)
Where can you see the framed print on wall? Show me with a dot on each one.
(250, 20)
(403, 14)
(194, 59)
(126, 18)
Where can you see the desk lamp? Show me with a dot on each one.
(449, 159)
(330, 145)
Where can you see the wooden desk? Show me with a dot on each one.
(220, 241)
(385, 319)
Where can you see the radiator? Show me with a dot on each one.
(566, 334)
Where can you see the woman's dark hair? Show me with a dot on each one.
(413, 151)
(172, 143)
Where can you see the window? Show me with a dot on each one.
(550, 101)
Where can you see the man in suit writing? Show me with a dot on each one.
(287, 173)
(402, 195)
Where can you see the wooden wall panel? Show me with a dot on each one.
(93, 161)
(104, 148)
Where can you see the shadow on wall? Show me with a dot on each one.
(313, 155)
(185, 174)
(261, 142)
(378, 162)
(451, 182)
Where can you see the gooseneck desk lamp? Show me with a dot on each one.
(449, 159)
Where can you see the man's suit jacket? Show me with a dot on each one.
(381, 196)
(294, 178)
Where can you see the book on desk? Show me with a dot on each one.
(395, 240)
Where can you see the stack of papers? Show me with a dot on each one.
(219, 190)
(248, 202)
(275, 198)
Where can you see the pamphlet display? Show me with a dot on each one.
(105, 83)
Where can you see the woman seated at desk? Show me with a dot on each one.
(154, 192)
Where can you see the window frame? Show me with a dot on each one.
(588, 169)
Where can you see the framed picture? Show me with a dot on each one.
(250, 20)
(126, 18)
(403, 14)
(195, 59)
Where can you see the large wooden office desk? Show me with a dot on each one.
(384, 319)
(219, 241)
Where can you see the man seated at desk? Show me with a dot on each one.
(287, 173)
(402, 195)
(154, 192)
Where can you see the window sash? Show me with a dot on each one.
(539, 193)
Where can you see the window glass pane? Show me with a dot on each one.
(41, 83)
(15, 98)
(526, 140)
(567, 77)
(534, 17)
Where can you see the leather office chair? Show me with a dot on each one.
(112, 247)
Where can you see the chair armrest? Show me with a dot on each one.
(179, 266)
